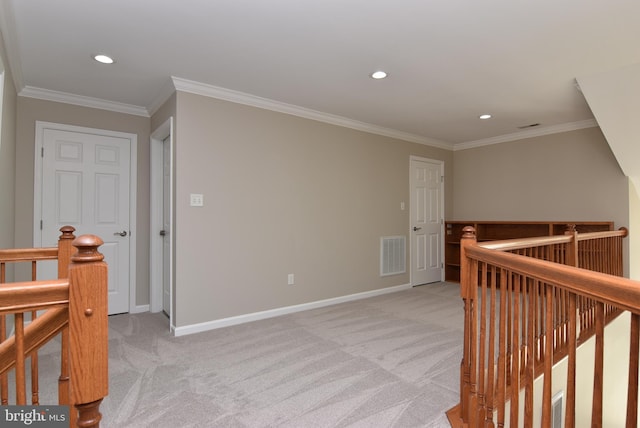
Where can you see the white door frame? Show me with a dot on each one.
(133, 181)
(155, 257)
(440, 215)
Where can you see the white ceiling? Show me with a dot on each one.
(448, 60)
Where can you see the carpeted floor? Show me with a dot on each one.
(386, 361)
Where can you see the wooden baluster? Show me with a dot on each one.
(632, 392)
(515, 367)
(596, 414)
(4, 379)
(491, 359)
(531, 290)
(548, 357)
(501, 393)
(88, 330)
(65, 250)
(34, 355)
(482, 343)
(570, 409)
(473, 348)
(509, 321)
(21, 394)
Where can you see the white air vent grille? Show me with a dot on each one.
(392, 255)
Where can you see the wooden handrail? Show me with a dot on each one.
(33, 295)
(517, 244)
(621, 292)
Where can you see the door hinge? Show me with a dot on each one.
(42, 151)
(40, 224)
(441, 265)
(442, 179)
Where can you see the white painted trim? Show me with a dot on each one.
(441, 215)
(155, 270)
(529, 133)
(139, 309)
(256, 316)
(133, 196)
(81, 100)
(217, 92)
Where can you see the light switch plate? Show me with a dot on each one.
(197, 200)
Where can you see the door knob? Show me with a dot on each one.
(163, 232)
(415, 228)
(123, 233)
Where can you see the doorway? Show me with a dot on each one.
(85, 178)
(161, 233)
(426, 220)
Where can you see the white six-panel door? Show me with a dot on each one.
(426, 219)
(85, 183)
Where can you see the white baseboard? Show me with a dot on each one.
(138, 309)
(256, 316)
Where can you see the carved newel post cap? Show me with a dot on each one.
(468, 232)
(571, 227)
(67, 232)
(87, 246)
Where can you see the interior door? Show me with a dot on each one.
(85, 183)
(426, 220)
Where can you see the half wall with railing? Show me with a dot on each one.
(530, 303)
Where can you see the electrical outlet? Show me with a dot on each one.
(290, 279)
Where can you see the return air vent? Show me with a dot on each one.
(392, 255)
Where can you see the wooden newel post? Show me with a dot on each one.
(571, 258)
(65, 250)
(466, 406)
(88, 330)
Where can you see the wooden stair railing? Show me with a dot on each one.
(524, 311)
(75, 307)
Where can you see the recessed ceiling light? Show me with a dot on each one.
(485, 116)
(103, 59)
(378, 74)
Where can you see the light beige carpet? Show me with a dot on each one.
(386, 361)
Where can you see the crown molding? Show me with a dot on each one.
(81, 100)
(529, 133)
(163, 95)
(217, 92)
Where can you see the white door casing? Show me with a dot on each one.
(161, 257)
(427, 220)
(166, 225)
(83, 178)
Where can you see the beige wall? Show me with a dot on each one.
(282, 195)
(31, 110)
(569, 176)
(7, 159)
